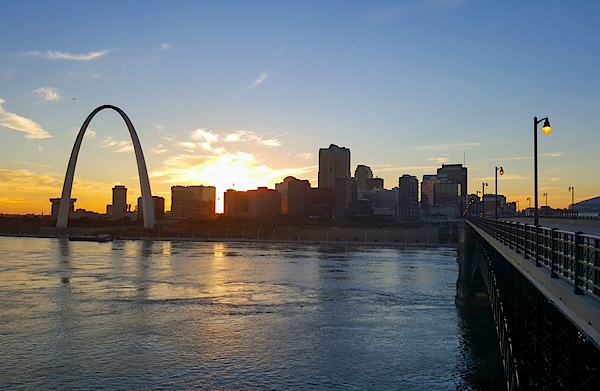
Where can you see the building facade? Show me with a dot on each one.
(362, 174)
(458, 174)
(119, 202)
(193, 202)
(159, 207)
(408, 203)
(294, 196)
(334, 162)
(345, 194)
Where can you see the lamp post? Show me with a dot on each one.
(496, 200)
(483, 186)
(572, 191)
(546, 196)
(546, 128)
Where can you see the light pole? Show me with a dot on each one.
(496, 200)
(546, 128)
(529, 202)
(572, 191)
(546, 195)
(483, 186)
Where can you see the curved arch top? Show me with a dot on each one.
(147, 205)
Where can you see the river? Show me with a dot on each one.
(147, 315)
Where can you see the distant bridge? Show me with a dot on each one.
(543, 285)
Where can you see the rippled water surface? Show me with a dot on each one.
(189, 315)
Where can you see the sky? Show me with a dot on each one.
(241, 94)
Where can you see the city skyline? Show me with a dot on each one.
(239, 95)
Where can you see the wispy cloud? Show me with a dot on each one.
(159, 127)
(159, 149)
(164, 46)
(119, 146)
(439, 159)
(307, 155)
(248, 136)
(56, 55)
(263, 76)
(13, 121)
(48, 93)
(202, 139)
(553, 154)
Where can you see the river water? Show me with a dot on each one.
(147, 315)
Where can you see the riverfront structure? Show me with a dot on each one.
(63, 211)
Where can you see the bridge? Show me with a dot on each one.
(543, 286)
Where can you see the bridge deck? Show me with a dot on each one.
(582, 309)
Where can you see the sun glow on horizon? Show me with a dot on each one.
(238, 171)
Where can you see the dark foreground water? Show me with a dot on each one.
(143, 315)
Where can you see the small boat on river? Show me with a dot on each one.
(99, 238)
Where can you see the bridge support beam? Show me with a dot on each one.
(470, 286)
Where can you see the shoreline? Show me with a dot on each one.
(256, 241)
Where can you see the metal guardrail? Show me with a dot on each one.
(572, 256)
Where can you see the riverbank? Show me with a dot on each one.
(413, 237)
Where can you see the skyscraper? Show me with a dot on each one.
(456, 173)
(334, 162)
(408, 202)
(119, 201)
(362, 173)
(427, 194)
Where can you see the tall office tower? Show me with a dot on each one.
(294, 196)
(119, 201)
(447, 193)
(361, 174)
(345, 196)
(427, 194)
(408, 202)
(334, 162)
(456, 173)
(192, 202)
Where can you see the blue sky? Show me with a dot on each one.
(240, 94)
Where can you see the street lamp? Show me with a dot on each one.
(546, 195)
(546, 128)
(501, 173)
(572, 191)
(529, 202)
(483, 186)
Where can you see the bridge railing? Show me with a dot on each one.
(572, 256)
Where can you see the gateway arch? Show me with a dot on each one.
(147, 204)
